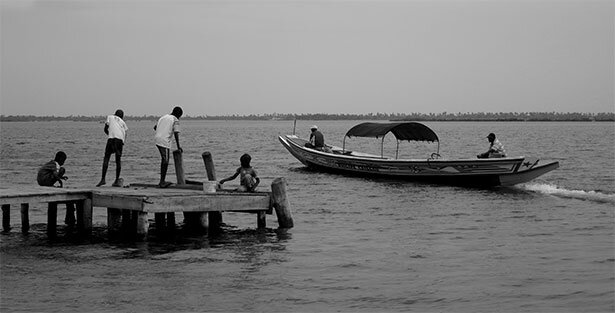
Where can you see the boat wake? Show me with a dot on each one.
(574, 194)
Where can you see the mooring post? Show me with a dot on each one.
(215, 218)
(52, 218)
(280, 203)
(25, 217)
(179, 167)
(6, 217)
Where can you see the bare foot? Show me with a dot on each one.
(101, 182)
(118, 182)
(165, 184)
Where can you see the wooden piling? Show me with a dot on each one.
(142, 225)
(261, 219)
(114, 220)
(215, 218)
(280, 203)
(25, 217)
(179, 167)
(160, 219)
(6, 217)
(52, 219)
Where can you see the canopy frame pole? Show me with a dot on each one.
(344, 145)
(397, 150)
(382, 147)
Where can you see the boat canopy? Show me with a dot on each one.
(411, 131)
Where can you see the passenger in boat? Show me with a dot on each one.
(52, 171)
(317, 140)
(496, 149)
(167, 127)
(115, 128)
(248, 178)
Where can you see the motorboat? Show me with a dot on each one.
(501, 171)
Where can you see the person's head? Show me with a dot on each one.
(314, 128)
(245, 160)
(119, 113)
(177, 112)
(60, 157)
(491, 137)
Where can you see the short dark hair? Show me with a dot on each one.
(119, 113)
(60, 157)
(177, 112)
(245, 160)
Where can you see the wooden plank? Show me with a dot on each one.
(119, 201)
(35, 194)
(206, 203)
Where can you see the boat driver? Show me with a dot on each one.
(496, 149)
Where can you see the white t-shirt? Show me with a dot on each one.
(117, 127)
(167, 125)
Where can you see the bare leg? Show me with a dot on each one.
(118, 169)
(104, 170)
(164, 165)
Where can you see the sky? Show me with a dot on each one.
(228, 57)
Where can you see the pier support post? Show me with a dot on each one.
(261, 220)
(69, 218)
(171, 221)
(280, 203)
(52, 219)
(215, 218)
(84, 216)
(114, 221)
(25, 217)
(160, 219)
(6, 217)
(142, 225)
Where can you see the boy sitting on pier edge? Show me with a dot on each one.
(248, 178)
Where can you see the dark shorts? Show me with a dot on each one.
(114, 145)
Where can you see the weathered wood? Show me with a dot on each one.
(38, 194)
(261, 219)
(179, 167)
(52, 218)
(215, 218)
(142, 225)
(281, 203)
(209, 165)
(85, 213)
(6, 217)
(25, 217)
(69, 218)
(114, 220)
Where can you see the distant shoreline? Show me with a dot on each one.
(439, 117)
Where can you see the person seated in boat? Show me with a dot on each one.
(247, 175)
(317, 140)
(496, 149)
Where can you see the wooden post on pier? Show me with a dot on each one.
(280, 203)
(193, 220)
(6, 217)
(84, 216)
(142, 225)
(114, 221)
(52, 219)
(215, 218)
(179, 167)
(25, 217)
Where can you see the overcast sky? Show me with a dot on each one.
(254, 57)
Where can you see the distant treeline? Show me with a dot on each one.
(444, 116)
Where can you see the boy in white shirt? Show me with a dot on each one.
(166, 128)
(116, 129)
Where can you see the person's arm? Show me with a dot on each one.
(106, 129)
(177, 141)
(229, 178)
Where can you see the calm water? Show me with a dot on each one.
(358, 244)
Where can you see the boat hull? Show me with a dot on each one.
(467, 172)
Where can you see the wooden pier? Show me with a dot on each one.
(128, 207)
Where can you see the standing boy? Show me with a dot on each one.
(167, 127)
(116, 129)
